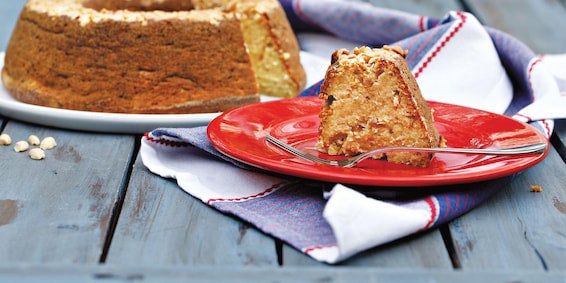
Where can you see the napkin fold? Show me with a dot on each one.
(455, 60)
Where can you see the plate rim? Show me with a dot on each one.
(422, 181)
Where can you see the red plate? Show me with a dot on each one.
(240, 134)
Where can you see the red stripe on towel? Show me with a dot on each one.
(451, 35)
(529, 76)
(433, 213)
(165, 141)
(529, 119)
(422, 21)
(314, 248)
(261, 194)
(546, 127)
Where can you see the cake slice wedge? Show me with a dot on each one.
(372, 100)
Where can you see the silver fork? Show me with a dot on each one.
(352, 161)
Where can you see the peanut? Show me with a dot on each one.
(48, 143)
(36, 154)
(33, 140)
(5, 139)
(21, 146)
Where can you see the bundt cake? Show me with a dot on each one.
(151, 56)
(371, 100)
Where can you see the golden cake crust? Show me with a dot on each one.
(158, 57)
(371, 100)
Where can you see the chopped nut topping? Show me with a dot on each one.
(395, 100)
(336, 54)
(397, 49)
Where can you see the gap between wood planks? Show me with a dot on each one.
(117, 209)
(449, 244)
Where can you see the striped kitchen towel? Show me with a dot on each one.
(455, 60)
(328, 223)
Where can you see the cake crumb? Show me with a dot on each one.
(536, 189)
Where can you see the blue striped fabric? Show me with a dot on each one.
(293, 214)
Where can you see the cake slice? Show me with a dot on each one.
(372, 100)
(273, 48)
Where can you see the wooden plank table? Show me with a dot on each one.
(92, 212)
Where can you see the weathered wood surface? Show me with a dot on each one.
(539, 24)
(517, 229)
(58, 210)
(64, 274)
(161, 224)
(92, 212)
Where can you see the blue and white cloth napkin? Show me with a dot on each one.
(455, 60)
